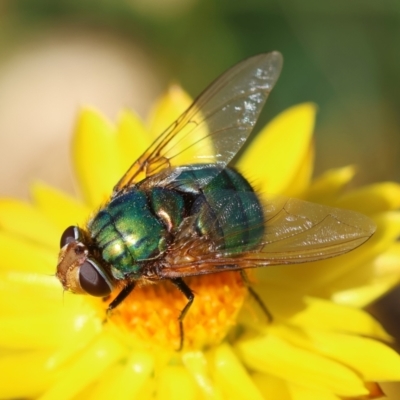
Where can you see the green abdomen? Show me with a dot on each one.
(228, 209)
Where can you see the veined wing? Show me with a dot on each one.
(215, 126)
(295, 231)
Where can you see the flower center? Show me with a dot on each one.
(150, 313)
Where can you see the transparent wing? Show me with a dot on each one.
(295, 231)
(215, 126)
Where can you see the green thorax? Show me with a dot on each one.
(127, 232)
(137, 226)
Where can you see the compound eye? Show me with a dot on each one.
(71, 234)
(93, 281)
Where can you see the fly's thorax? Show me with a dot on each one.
(128, 233)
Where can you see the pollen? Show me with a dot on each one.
(149, 315)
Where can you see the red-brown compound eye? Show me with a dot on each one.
(71, 234)
(93, 280)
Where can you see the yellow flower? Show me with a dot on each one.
(320, 345)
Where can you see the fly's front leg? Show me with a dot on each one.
(122, 295)
(185, 289)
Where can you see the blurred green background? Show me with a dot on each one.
(58, 55)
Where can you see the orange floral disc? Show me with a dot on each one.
(150, 313)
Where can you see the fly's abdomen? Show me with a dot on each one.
(128, 232)
(227, 208)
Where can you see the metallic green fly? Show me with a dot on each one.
(169, 219)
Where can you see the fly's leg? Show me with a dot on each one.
(185, 289)
(261, 304)
(122, 295)
(256, 297)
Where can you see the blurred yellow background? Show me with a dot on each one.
(56, 56)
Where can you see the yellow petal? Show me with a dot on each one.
(22, 219)
(298, 392)
(362, 296)
(85, 369)
(125, 382)
(364, 270)
(274, 157)
(372, 199)
(60, 208)
(325, 188)
(369, 281)
(272, 355)
(372, 359)
(197, 364)
(233, 377)
(303, 175)
(96, 157)
(39, 330)
(271, 387)
(20, 255)
(386, 263)
(46, 320)
(168, 109)
(101, 388)
(326, 315)
(82, 331)
(33, 332)
(175, 382)
(33, 366)
(132, 138)
(33, 292)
